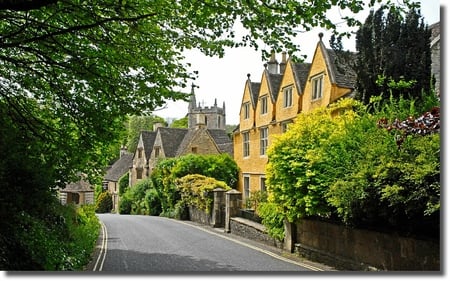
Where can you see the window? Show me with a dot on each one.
(194, 149)
(140, 152)
(157, 149)
(246, 186)
(263, 101)
(262, 184)
(287, 97)
(264, 141)
(246, 144)
(317, 87)
(285, 126)
(139, 173)
(246, 110)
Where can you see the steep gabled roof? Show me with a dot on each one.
(171, 139)
(148, 139)
(254, 91)
(274, 82)
(222, 140)
(119, 168)
(339, 65)
(301, 71)
(81, 185)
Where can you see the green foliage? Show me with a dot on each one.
(123, 183)
(348, 168)
(136, 124)
(272, 219)
(383, 44)
(141, 199)
(180, 123)
(255, 199)
(104, 203)
(63, 241)
(196, 190)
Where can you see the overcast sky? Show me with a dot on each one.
(224, 79)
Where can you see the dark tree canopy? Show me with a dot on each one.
(392, 48)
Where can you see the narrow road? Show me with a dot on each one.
(156, 244)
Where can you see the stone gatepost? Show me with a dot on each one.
(289, 235)
(232, 206)
(218, 210)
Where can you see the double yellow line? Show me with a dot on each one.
(103, 249)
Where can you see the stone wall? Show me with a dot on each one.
(253, 231)
(355, 249)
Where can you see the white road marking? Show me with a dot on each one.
(103, 249)
(255, 248)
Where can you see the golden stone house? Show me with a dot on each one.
(270, 105)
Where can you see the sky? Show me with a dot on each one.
(224, 78)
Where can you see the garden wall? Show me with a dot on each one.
(355, 249)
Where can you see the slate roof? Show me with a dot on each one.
(218, 136)
(274, 81)
(222, 140)
(148, 139)
(119, 168)
(301, 71)
(254, 92)
(342, 64)
(171, 139)
(79, 186)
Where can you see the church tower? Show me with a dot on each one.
(212, 117)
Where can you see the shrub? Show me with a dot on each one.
(272, 219)
(196, 190)
(104, 203)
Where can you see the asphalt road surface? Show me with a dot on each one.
(157, 244)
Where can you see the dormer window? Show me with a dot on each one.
(317, 86)
(263, 102)
(287, 97)
(140, 149)
(246, 108)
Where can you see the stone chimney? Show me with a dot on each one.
(283, 62)
(272, 65)
(123, 150)
(157, 125)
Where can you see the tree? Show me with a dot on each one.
(71, 71)
(136, 124)
(180, 123)
(384, 43)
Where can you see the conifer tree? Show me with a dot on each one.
(390, 48)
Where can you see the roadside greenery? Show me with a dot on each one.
(196, 190)
(63, 241)
(339, 163)
(161, 193)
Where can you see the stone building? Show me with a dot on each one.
(205, 135)
(269, 106)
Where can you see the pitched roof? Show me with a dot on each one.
(148, 139)
(340, 66)
(301, 71)
(222, 140)
(254, 91)
(274, 81)
(119, 168)
(171, 139)
(79, 186)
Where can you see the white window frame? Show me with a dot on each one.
(263, 140)
(317, 87)
(246, 110)
(246, 144)
(264, 101)
(246, 185)
(287, 97)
